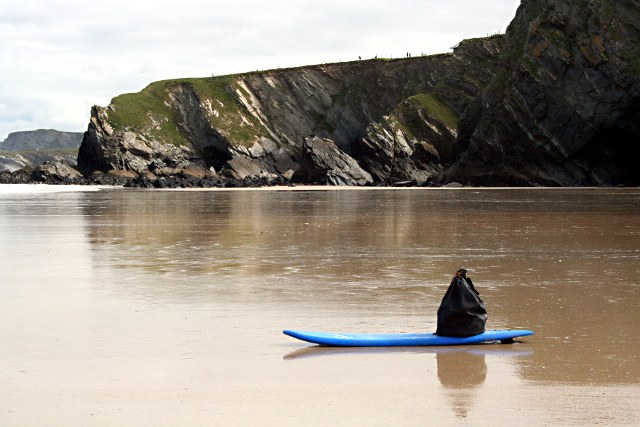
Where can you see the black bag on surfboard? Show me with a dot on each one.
(462, 313)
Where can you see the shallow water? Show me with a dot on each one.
(129, 307)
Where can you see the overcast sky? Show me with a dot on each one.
(59, 57)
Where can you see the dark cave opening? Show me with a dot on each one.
(613, 156)
(215, 156)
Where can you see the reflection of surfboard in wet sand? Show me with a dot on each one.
(402, 340)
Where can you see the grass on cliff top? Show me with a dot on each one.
(149, 110)
(471, 41)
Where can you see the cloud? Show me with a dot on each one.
(59, 57)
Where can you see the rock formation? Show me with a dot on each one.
(382, 121)
(564, 108)
(553, 102)
(322, 161)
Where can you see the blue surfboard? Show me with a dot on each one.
(402, 340)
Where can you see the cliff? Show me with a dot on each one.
(356, 123)
(553, 102)
(564, 108)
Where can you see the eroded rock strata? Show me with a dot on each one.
(358, 123)
(564, 108)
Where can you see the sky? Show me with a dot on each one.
(60, 57)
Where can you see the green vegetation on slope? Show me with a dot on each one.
(150, 111)
(409, 115)
(138, 111)
(432, 105)
(232, 120)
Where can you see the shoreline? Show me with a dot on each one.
(43, 187)
(63, 175)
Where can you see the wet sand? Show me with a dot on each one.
(136, 307)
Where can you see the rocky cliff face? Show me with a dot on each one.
(564, 108)
(553, 102)
(375, 121)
